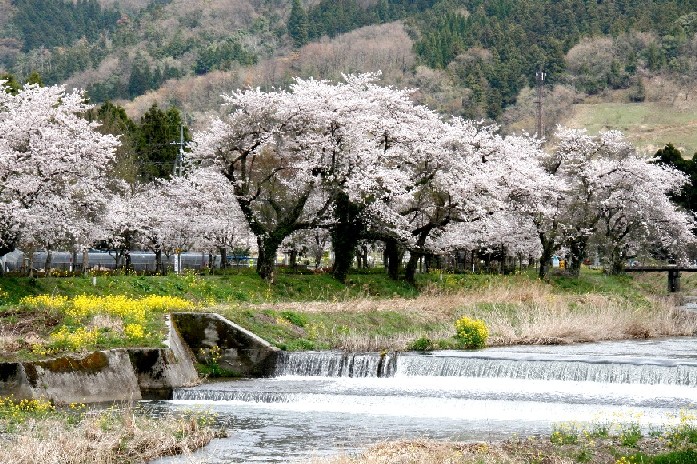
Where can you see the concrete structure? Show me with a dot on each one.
(113, 375)
(242, 353)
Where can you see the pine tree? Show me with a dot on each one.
(298, 24)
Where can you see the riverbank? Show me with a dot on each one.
(313, 312)
(36, 432)
(605, 442)
(543, 450)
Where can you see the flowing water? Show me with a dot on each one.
(327, 403)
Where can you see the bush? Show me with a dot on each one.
(421, 344)
(472, 333)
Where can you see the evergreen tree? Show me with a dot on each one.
(140, 80)
(35, 78)
(114, 120)
(157, 143)
(11, 84)
(298, 24)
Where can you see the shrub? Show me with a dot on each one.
(472, 333)
(421, 344)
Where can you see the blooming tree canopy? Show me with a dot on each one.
(53, 167)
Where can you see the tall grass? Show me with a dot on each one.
(518, 311)
(114, 436)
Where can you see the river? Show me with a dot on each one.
(325, 403)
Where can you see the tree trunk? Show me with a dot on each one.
(293, 260)
(127, 260)
(345, 235)
(85, 261)
(48, 262)
(223, 258)
(616, 261)
(159, 267)
(359, 259)
(547, 253)
(344, 243)
(73, 260)
(412, 264)
(578, 254)
(393, 255)
(266, 263)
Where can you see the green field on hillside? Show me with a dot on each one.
(649, 126)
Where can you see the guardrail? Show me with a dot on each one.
(673, 273)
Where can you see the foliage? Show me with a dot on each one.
(521, 37)
(210, 365)
(421, 344)
(154, 145)
(50, 23)
(687, 195)
(472, 332)
(54, 164)
(14, 412)
(298, 24)
(93, 322)
(35, 429)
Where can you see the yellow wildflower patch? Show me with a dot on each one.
(75, 340)
(45, 301)
(134, 331)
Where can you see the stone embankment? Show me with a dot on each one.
(140, 373)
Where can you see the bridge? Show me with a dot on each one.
(673, 273)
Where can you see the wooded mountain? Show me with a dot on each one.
(475, 58)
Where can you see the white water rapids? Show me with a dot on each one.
(324, 403)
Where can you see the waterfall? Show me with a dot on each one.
(476, 364)
(336, 364)
(584, 370)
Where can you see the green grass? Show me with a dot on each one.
(292, 331)
(649, 126)
(235, 286)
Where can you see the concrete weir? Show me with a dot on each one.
(242, 353)
(141, 373)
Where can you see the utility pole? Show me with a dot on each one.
(539, 81)
(178, 168)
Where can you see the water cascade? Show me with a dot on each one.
(320, 402)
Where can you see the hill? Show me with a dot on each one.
(475, 58)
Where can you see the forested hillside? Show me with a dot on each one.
(475, 58)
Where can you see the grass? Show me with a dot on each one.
(36, 432)
(368, 313)
(649, 126)
(603, 443)
(234, 286)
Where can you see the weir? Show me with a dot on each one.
(328, 401)
(336, 364)
(477, 364)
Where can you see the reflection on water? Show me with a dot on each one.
(482, 395)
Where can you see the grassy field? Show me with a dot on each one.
(649, 126)
(368, 313)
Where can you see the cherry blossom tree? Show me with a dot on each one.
(609, 195)
(317, 155)
(53, 167)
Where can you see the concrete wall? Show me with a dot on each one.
(141, 373)
(242, 353)
(113, 375)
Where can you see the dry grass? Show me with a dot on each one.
(515, 314)
(517, 451)
(108, 437)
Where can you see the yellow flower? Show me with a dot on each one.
(134, 331)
